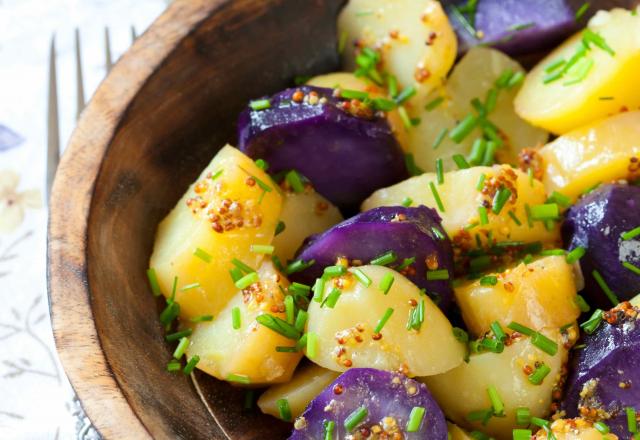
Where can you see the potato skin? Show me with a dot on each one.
(596, 223)
(345, 157)
(409, 232)
(605, 373)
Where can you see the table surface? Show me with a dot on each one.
(37, 400)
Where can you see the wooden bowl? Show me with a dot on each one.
(165, 109)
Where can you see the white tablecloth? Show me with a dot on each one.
(36, 400)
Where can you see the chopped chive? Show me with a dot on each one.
(523, 416)
(479, 107)
(332, 298)
(383, 320)
(174, 289)
(628, 235)
(489, 280)
(581, 10)
(580, 71)
(405, 94)
(464, 127)
(504, 78)
(178, 335)
(437, 233)
(236, 319)
(201, 318)
(461, 162)
(515, 219)
(217, 174)
(262, 249)
(478, 150)
(590, 37)
(415, 418)
(355, 418)
(496, 401)
(361, 277)
(545, 211)
(552, 252)
(405, 263)
(493, 345)
(284, 410)
(560, 199)
(631, 267)
(203, 255)
(484, 216)
(334, 271)
(478, 264)
(153, 282)
(181, 348)
(632, 421)
(439, 274)
(299, 288)
(490, 153)
(500, 199)
(539, 374)
(301, 320)
(280, 227)
(605, 288)
(460, 335)
(189, 287)
(236, 274)
(277, 263)
(312, 345)
(289, 309)
(383, 104)
(318, 290)
(295, 181)
(545, 344)
(262, 164)
(480, 184)
(247, 280)
(410, 163)
(385, 259)
(406, 202)
(471, 226)
(592, 324)
(392, 85)
(606, 98)
(516, 327)
(522, 434)
(404, 117)
(302, 342)
(491, 100)
(282, 349)
(537, 421)
(170, 313)
(431, 105)
(278, 325)
(554, 65)
(436, 196)
(515, 80)
(530, 176)
(482, 415)
(576, 254)
(601, 427)
(298, 266)
(173, 366)
(243, 267)
(238, 378)
(439, 172)
(260, 104)
(582, 303)
(191, 364)
(386, 282)
(463, 21)
(527, 259)
(438, 140)
(329, 427)
(353, 94)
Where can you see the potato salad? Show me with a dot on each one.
(439, 241)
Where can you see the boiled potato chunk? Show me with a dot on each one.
(457, 433)
(635, 301)
(347, 80)
(464, 389)
(215, 221)
(415, 39)
(574, 429)
(303, 214)
(597, 153)
(249, 351)
(461, 199)
(306, 384)
(346, 332)
(609, 87)
(537, 295)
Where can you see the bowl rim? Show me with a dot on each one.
(74, 329)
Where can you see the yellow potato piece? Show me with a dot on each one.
(597, 153)
(250, 350)
(464, 389)
(635, 301)
(574, 429)
(189, 230)
(431, 350)
(537, 295)
(303, 214)
(609, 87)
(306, 384)
(461, 199)
(415, 39)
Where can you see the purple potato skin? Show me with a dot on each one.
(596, 222)
(345, 157)
(374, 232)
(384, 394)
(611, 356)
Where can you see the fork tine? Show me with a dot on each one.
(107, 49)
(79, 78)
(53, 131)
(134, 34)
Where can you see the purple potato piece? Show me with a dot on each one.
(414, 232)
(384, 394)
(346, 157)
(596, 223)
(605, 375)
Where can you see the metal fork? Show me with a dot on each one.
(53, 122)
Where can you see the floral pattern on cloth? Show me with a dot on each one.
(14, 203)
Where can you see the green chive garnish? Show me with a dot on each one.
(522, 434)
(262, 249)
(632, 421)
(217, 174)
(312, 345)
(383, 104)
(581, 10)
(385, 259)
(493, 345)
(301, 320)
(201, 318)
(329, 427)
(203, 255)
(504, 78)
(318, 290)
(552, 252)
(431, 105)
(592, 324)
(406, 202)
(280, 227)
(170, 313)
(189, 287)
(236, 320)
(361, 277)
(489, 280)
(515, 219)
(405, 95)
(500, 199)
(247, 280)
(545, 344)
(289, 309)
(404, 117)
(334, 271)
(383, 320)
(601, 427)
(546, 211)
(461, 162)
(554, 65)
(295, 181)
(415, 418)
(631, 267)
(236, 274)
(173, 366)
(279, 326)
(464, 127)
(298, 266)
(260, 104)
(523, 416)
(283, 409)
(515, 80)
(491, 100)
(386, 282)
(281, 349)
(582, 303)
(478, 149)
(575, 254)
(484, 216)
(436, 196)
(178, 335)
(630, 234)
(405, 263)
(439, 172)
(436, 275)
(489, 154)
(516, 327)
(353, 94)
(590, 37)
(480, 184)
(181, 348)
(153, 282)
(239, 378)
(605, 288)
(539, 374)
(191, 364)
(410, 163)
(355, 418)
(438, 140)
(332, 298)
(460, 335)
(496, 401)
(243, 267)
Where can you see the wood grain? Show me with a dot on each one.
(154, 123)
